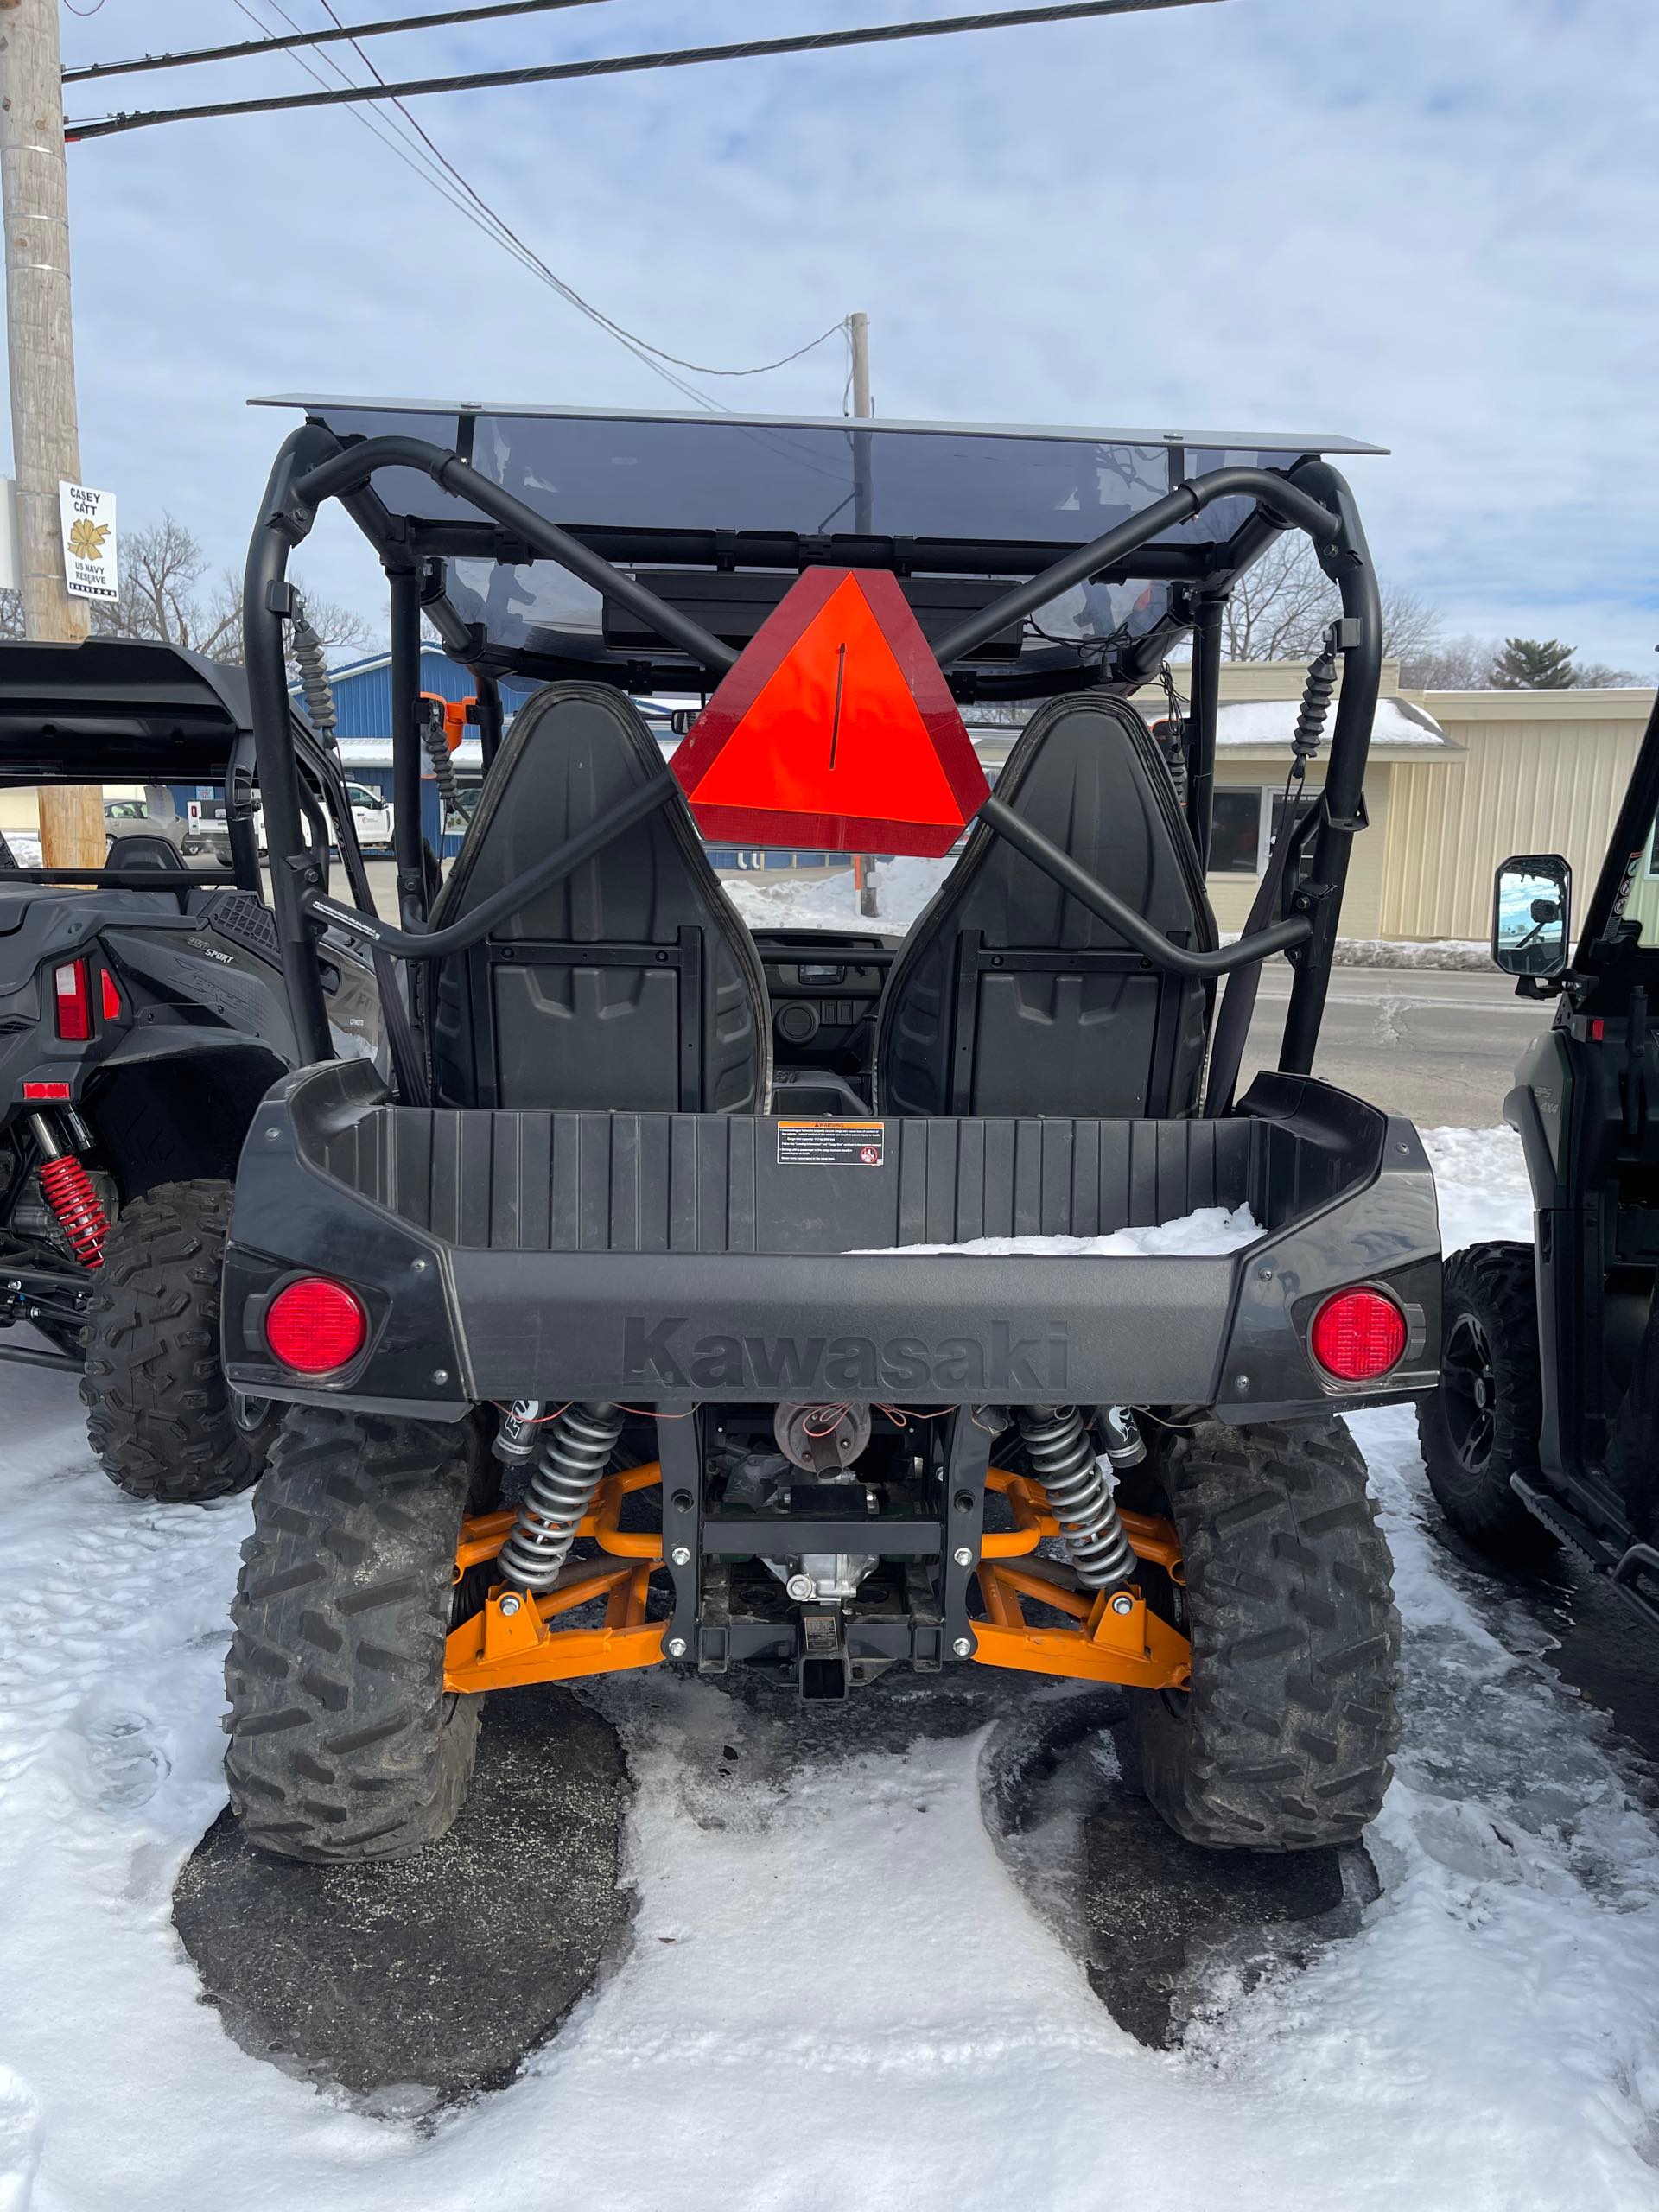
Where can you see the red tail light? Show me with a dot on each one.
(74, 1001)
(315, 1325)
(110, 997)
(1358, 1335)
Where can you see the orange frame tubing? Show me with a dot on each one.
(509, 1643)
(1134, 1647)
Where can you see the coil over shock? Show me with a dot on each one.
(1064, 1461)
(434, 738)
(68, 1190)
(567, 1460)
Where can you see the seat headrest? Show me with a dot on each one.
(143, 848)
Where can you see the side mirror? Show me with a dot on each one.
(1532, 906)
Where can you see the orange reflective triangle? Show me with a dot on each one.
(835, 729)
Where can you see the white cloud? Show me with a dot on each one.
(1428, 226)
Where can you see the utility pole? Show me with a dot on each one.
(858, 335)
(858, 340)
(40, 341)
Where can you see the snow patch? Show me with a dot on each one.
(1446, 952)
(1205, 1233)
(903, 886)
(1273, 722)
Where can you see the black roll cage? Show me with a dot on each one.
(314, 466)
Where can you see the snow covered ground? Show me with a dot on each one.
(837, 1993)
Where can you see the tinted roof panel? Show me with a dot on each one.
(703, 472)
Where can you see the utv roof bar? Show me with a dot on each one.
(313, 465)
(428, 944)
(553, 866)
(354, 466)
(1266, 487)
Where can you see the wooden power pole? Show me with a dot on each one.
(858, 336)
(45, 436)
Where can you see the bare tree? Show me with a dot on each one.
(160, 569)
(162, 597)
(1461, 663)
(1597, 675)
(1280, 608)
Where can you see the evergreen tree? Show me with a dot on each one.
(1534, 665)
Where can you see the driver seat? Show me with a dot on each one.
(1008, 997)
(633, 985)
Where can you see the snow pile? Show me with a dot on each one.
(1210, 1231)
(1481, 1175)
(836, 1991)
(1273, 722)
(25, 847)
(779, 901)
(1446, 952)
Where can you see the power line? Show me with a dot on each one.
(630, 337)
(469, 203)
(431, 165)
(627, 64)
(273, 44)
(480, 214)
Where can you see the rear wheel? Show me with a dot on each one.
(1282, 1742)
(1481, 1425)
(343, 1743)
(162, 1418)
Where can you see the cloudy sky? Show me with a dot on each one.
(1427, 223)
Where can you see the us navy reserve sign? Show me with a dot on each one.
(89, 542)
(662, 1352)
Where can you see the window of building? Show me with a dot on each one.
(1243, 828)
(1235, 833)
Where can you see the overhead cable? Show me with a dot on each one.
(619, 65)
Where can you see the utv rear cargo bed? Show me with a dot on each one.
(719, 1257)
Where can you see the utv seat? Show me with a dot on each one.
(144, 849)
(1010, 998)
(634, 984)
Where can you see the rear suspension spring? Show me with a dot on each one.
(1064, 1461)
(68, 1190)
(580, 1441)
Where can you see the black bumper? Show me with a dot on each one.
(644, 1257)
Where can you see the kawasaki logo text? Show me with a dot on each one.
(659, 1351)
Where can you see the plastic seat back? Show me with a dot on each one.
(632, 985)
(1010, 998)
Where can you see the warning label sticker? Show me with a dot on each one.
(831, 1144)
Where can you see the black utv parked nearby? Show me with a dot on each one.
(143, 1017)
(1545, 1428)
(603, 1349)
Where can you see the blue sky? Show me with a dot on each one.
(1429, 223)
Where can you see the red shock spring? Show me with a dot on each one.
(70, 1194)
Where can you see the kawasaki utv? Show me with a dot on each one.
(645, 1315)
(143, 1017)
(1545, 1428)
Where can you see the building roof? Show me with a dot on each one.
(1268, 726)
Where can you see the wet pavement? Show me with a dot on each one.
(426, 1978)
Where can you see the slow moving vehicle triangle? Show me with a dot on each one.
(836, 730)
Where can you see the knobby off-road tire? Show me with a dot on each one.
(1481, 1425)
(1282, 1742)
(162, 1419)
(343, 1744)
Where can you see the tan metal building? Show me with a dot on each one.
(1456, 781)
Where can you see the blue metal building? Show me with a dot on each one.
(363, 708)
(362, 692)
